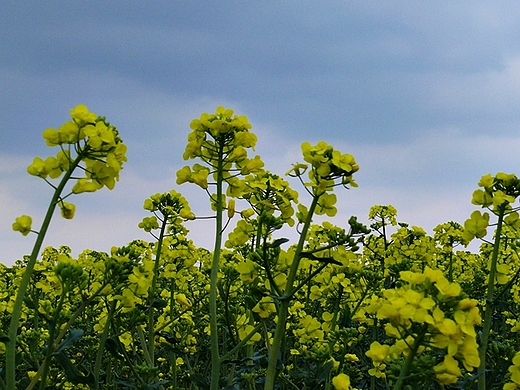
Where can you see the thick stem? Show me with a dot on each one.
(153, 288)
(215, 354)
(102, 342)
(50, 342)
(405, 370)
(10, 355)
(488, 314)
(279, 333)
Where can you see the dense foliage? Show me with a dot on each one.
(346, 306)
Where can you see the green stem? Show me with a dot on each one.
(405, 370)
(64, 330)
(102, 342)
(488, 314)
(50, 342)
(10, 355)
(142, 340)
(173, 354)
(215, 354)
(375, 337)
(243, 342)
(151, 330)
(450, 266)
(279, 334)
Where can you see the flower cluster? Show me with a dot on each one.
(86, 139)
(387, 307)
(169, 206)
(514, 370)
(221, 133)
(499, 190)
(91, 137)
(326, 166)
(428, 311)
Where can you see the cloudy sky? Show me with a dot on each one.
(425, 95)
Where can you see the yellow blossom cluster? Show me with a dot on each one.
(387, 307)
(326, 166)
(429, 310)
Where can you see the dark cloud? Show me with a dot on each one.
(367, 66)
(425, 95)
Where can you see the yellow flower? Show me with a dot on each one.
(345, 162)
(265, 307)
(182, 300)
(200, 176)
(247, 270)
(377, 352)
(482, 198)
(326, 205)
(476, 225)
(245, 139)
(85, 185)
(448, 371)
(38, 168)
(502, 273)
(514, 369)
(245, 330)
(500, 198)
(52, 137)
(448, 289)
(486, 181)
(469, 351)
(412, 277)
(52, 166)
(297, 170)
(341, 382)
(252, 165)
(100, 135)
(81, 114)
(67, 210)
(149, 223)
(102, 173)
(116, 157)
(23, 224)
(70, 133)
(350, 357)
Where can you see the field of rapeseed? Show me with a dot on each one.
(384, 306)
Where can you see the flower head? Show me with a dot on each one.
(23, 224)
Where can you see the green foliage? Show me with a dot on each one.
(379, 307)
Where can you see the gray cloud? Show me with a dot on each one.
(424, 94)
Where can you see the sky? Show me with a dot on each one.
(425, 95)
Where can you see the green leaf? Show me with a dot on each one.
(277, 243)
(156, 385)
(74, 335)
(113, 346)
(328, 260)
(71, 372)
(200, 381)
(30, 304)
(323, 371)
(128, 384)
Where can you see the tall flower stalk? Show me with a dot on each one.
(170, 209)
(328, 169)
(498, 193)
(220, 141)
(89, 140)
